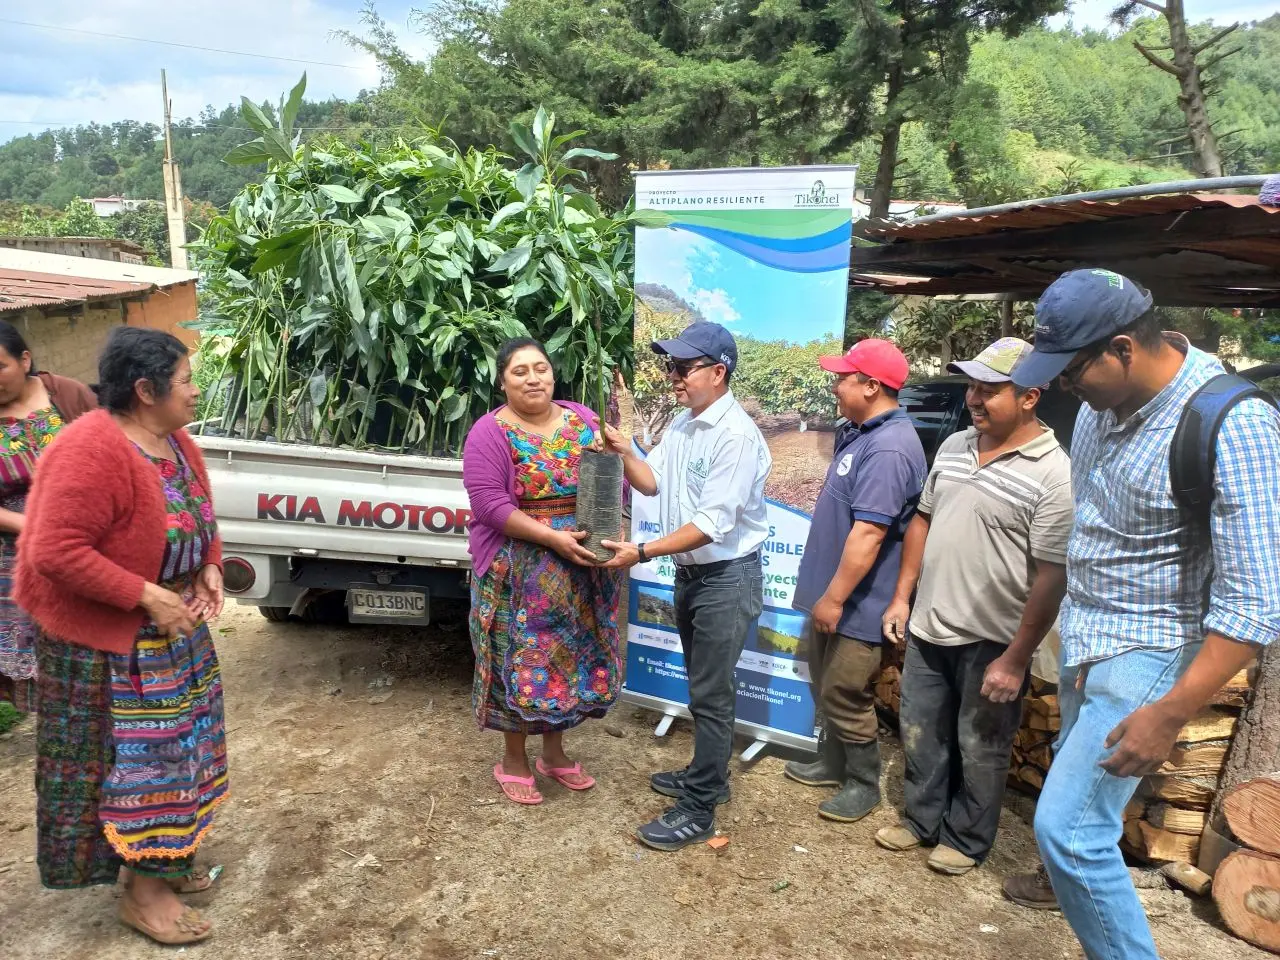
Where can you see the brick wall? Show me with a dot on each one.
(68, 344)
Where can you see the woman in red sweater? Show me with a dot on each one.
(119, 563)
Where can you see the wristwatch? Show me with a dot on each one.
(640, 550)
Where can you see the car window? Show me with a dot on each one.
(1058, 410)
(934, 409)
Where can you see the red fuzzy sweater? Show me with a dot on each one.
(95, 532)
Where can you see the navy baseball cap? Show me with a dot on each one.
(701, 339)
(1080, 308)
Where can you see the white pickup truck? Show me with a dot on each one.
(312, 531)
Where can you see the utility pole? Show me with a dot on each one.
(174, 213)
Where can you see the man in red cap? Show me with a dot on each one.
(850, 567)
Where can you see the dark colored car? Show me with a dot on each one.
(937, 407)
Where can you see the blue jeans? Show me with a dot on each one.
(1080, 816)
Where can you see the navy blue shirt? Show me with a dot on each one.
(876, 476)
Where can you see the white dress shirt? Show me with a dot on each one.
(711, 471)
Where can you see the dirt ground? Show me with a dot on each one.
(364, 823)
(800, 461)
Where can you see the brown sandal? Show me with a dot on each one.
(198, 880)
(190, 927)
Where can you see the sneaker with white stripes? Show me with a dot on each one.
(676, 829)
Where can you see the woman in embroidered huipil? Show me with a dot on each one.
(120, 565)
(544, 617)
(33, 408)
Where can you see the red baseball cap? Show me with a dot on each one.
(877, 359)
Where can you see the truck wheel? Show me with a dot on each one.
(275, 614)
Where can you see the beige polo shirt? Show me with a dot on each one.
(987, 527)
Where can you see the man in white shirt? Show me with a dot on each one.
(708, 472)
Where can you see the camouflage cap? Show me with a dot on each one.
(994, 364)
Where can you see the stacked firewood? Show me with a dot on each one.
(1166, 818)
(1033, 746)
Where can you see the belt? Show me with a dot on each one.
(692, 571)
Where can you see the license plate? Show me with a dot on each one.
(373, 604)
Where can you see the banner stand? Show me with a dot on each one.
(764, 252)
(761, 736)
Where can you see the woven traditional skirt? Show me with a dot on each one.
(545, 635)
(132, 759)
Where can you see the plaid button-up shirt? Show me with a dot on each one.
(1138, 570)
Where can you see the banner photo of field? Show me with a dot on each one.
(764, 252)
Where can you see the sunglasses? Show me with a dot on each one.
(682, 368)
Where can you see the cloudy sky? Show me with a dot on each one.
(55, 77)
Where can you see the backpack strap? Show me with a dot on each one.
(1194, 451)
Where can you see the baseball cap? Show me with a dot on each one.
(1080, 308)
(994, 364)
(877, 359)
(701, 339)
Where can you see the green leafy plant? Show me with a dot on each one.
(366, 289)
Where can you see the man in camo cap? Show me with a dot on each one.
(988, 549)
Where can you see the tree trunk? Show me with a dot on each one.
(1246, 889)
(1255, 750)
(1208, 158)
(882, 192)
(1252, 811)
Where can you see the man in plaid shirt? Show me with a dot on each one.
(1162, 607)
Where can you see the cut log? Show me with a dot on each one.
(1165, 845)
(1188, 877)
(1252, 810)
(1046, 706)
(1184, 792)
(1177, 820)
(1197, 760)
(1135, 809)
(1255, 751)
(1235, 692)
(1038, 721)
(1246, 889)
(1210, 724)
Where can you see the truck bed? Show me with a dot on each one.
(308, 501)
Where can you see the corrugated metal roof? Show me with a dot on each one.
(1188, 249)
(21, 289)
(1041, 216)
(84, 267)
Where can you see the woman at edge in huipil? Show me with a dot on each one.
(34, 407)
(544, 616)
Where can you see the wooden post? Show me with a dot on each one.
(1006, 318)
(174, 213)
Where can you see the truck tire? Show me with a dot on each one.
(275, 614)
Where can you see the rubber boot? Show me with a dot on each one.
(826, 771)
(860, 793)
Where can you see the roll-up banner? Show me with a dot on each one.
(765, 253)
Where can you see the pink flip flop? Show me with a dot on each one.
(505, 780)
(560, 775)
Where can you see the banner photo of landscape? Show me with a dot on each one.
(765, 253)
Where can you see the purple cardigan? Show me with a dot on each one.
(489, 475)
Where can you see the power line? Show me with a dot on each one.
(172, 43)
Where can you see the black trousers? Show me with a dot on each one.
(957, 745)
(715, 607)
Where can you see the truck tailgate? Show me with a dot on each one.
(292, 499)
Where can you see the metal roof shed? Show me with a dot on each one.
(1188, 248)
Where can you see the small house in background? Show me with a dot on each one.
(66, 305)
(96, 248)
(109, 206)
